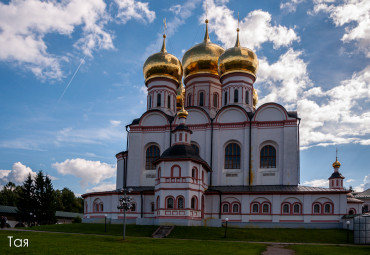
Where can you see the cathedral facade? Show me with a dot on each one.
(204, 153)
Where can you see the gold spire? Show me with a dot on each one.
(206, 36)
(164, 36)
(237, 43)
(164, 44)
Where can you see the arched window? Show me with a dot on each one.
(225, 98)
(215, 100)
(158, 200)
(152, 153)
(327, 208)
(98, 205)
(159, 98)
(194, 203)
(268, 157)
(168, 101)
(189, 100)
(247, 97)
(170, 203)
(296, 208)
(235, 208)
(232, 156)
(255, 208)
(225, 208)
(265, 208)
(286, 208)
(152, 207)
(175, 171)
(194, 173)
(201, 99)
(196, 148)
(316, 208)
(150, 102)
(236, 95)
(159, 172)
(180, 203)
(351, 212)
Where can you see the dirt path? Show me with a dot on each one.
(277, 250)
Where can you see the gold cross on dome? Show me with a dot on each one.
(165, 26)
(238, 20)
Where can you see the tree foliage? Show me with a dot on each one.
(37, 201)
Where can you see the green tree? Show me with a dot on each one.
(45, 199)
(26, 201)
(9, 194)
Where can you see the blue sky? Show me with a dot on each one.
(71, 78)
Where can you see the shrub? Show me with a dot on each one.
(77, 220)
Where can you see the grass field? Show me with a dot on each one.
(330, 250)
(57, 243)
(88, 228)
(333, 236)
(209, 240)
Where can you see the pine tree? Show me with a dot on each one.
(26, 201)
(45, 199)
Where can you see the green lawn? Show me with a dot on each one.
(89, 228)
(330, 250)
(58, 243)
(334, 236)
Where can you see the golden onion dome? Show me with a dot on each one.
(183, 113)
(202, 58)
(336, 164)
(238, 59)
(162, 64)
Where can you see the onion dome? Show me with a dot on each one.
(183, 113)
(202, 58)
(238, 59)
(162, 64)
(336, 164)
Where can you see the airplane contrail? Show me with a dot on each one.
(73, 76)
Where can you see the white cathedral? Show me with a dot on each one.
(204, 153)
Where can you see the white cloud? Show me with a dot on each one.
(355, 15)
(94, 135)
(105, 186)
(131, 9)
(17, 175)
(291, 5)
(365, 185)
(223, 22)
(88, 171)
(25, 23)
(285, 79)
(338, 117)
(317, 183)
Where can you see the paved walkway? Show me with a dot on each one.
(277, 250)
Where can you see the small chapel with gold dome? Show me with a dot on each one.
(203, 152)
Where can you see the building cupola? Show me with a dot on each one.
(237, 68)
(163, 75)
(202, 82)
(336, 179)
